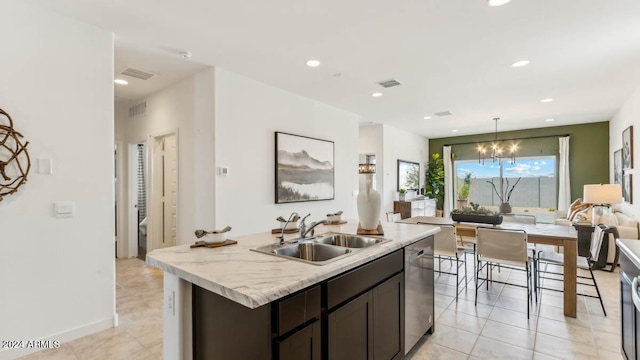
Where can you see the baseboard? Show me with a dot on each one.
(62, 337)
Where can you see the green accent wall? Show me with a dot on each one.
(588, 149)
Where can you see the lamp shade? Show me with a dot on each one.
(602, 194)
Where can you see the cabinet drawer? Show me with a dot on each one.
(298, 309)
(363, 278)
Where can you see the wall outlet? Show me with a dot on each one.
(64, 209)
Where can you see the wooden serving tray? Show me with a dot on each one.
(288, 231)
(378, 231)
(336, 222)
(201, 243)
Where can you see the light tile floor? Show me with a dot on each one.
(497, 328)
(139, 307)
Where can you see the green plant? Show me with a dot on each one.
(474, 209)
(465, 187)
(434, 186)
(552, 209)
(526, 210)
(402, 191)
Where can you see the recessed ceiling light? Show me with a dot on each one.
(520, 63)
(313, 63)
(550, 120)
(427, 117)
(497, 2)
(454, 130)
(546, 100)
(376, 94)
(121, 81)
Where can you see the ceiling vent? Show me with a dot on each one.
(137, 73)
(389, 83)
(444, 113)
(138, 109)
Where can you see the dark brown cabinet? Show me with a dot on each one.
(630, 315)
(304, 344)
(371, 326)
(355, 315)
(349, 330)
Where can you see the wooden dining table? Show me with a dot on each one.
(548, 234)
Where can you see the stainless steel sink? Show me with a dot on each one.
(306, 251)
(349, 241)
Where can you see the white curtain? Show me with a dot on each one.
(564, 188)
(448, 181)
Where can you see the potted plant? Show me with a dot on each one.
(434, 186)
(464, 190)
(476, 214)
(504, 194)
(402, 192)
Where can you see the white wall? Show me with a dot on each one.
(248, 113)
(390, 145)
(188, 108)
(627, 115)
(57, 275)
(401, 145)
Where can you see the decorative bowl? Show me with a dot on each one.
(291, 225)
(215, 238)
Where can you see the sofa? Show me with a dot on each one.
(626, 225)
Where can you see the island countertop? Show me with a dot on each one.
(254, 279)
(631, 248)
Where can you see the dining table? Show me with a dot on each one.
(548, 234)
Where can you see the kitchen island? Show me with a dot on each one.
(205, 289)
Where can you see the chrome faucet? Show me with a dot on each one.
(293, 215)
(303, 227)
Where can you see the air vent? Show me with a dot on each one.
(138, 109)
(444, 113)
(389, 83)
(138, 74)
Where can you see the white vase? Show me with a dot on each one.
(369, 204)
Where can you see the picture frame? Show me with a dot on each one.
(304, 168)
(617, 167)
(627, 188)
(408, 175)
(627, 148)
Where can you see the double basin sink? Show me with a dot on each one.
(322, 249)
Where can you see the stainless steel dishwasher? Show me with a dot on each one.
(418, 290)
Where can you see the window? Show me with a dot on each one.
(536, 191)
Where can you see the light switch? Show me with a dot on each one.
(64, 209)
(223, 170)
(45, 167)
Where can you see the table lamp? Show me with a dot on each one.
(601, 196)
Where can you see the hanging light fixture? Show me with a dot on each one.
(496, 148)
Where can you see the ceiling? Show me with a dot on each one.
(449, 55)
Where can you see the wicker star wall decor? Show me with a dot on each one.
(14, 157)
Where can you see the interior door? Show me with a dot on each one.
(165, 193)
(170, 190)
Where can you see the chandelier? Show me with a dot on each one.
(496, 149)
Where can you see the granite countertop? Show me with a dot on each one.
(254, 279)
(631, 248)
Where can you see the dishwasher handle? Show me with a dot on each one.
(634, 293)
(420, 253)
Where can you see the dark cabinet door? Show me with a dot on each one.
(302, 345)
(348, 330)
(388, 319)
(628, 318)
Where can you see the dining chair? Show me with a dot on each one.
(507, 248)
(446, 248)
(586, 263)
(393, 216)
